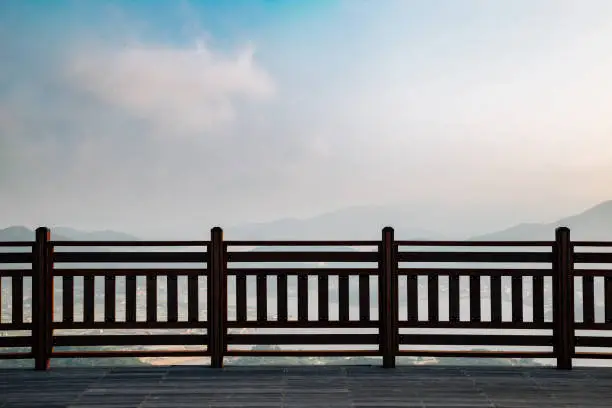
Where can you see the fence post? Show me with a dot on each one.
(217, 298)
(40, 300)
(387, 303)
(563, 299)
(50, 292)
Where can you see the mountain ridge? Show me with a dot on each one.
(23, 233)
(592, 224)
(359, 223)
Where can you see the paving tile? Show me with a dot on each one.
(331, 386)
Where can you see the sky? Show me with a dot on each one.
(163, 118)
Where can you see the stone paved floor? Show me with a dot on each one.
(331, 386)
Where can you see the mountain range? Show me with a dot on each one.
(21, 233)
(359, 223)
(593, 224)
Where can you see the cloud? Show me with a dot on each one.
(186, 91)
(103, 128)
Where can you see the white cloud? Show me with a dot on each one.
(180, 91)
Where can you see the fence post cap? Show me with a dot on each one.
(43, 232)
(216, 233)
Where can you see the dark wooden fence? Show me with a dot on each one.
(215, 262)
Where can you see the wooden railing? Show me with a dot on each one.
(218, 261)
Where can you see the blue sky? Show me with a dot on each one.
(229, 111)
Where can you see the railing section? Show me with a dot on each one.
(17, 271)
(592, 303)
(412, 298)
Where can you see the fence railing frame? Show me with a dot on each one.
(564, 330)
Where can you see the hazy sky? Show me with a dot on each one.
(164, 117)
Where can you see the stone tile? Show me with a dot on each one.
(331, 386)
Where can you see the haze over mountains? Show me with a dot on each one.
(594, 223)
(21, 233)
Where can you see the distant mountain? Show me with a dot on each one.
(20, 233)
(593, 224)
(16, 234)
(106, 235)
(359, 223)
(354, 223)
(366, 223)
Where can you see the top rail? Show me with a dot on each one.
(128, 243)
(16, 243)
(477, 243)
(592, 243)
(302, 243)
(297, 256)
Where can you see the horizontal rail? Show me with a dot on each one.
(123, 325)
(305, 256)
(130, 353)
(426, 324)
(476, 353)
(593, 272)
(302, 243)
(16, 244)
(130, 272)
(475, 257)
(476, 243)
(15, 326)
(475, 340)
(302, 271)
(16, 257)
(302, 353)
(309, 324)
(128, 243)
(593, 244)
(131, 340)
(15, 272)
(592, 355)
(592, 326)
(593, 341)
(15, 341)
(302, 339)
(473, 272)
(593, 257)
(129, 257)
(16, 356)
